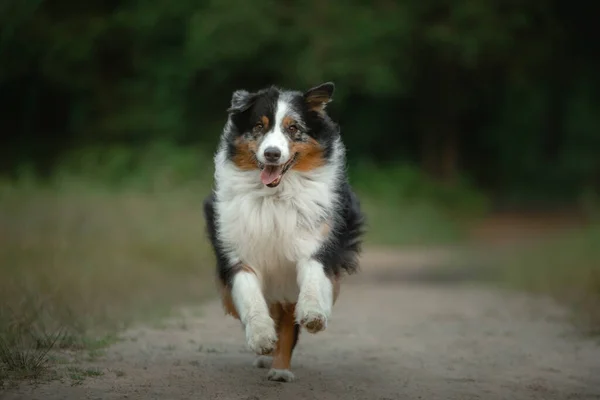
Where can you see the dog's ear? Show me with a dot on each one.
(241, 100)
(318, 96)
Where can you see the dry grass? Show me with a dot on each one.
(565, 266)
(77, 264)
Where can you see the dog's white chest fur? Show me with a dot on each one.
(271, 229)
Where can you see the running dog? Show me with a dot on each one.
(282, 218)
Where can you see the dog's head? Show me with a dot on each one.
(276, 131)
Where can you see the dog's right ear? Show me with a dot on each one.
(241, 100)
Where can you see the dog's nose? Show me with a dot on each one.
(272, 154)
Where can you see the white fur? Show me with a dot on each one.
(276, 231)
(254, 312)
(280, 375)
(316, 296)
(272, 229)
(276, 137)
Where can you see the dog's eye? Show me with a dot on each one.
(292, 129)
(258, 127)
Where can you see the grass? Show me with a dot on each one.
(116, 236)
(78, 264)
(566, 267)
(22, 353)
(406, 208)
(78, 375)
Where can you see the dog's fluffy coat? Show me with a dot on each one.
(282, 218)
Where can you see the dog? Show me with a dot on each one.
(282, 218)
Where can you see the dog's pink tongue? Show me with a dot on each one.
(269, 174)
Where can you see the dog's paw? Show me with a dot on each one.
(314, 323)
(280, 375)
(311, 316)
(263, 362)
(261, 336)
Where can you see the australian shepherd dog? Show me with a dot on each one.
(282, 219)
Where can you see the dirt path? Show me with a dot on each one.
(390, 338)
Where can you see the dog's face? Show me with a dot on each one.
(276, 131)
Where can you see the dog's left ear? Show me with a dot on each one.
(241, 100)
(318, 97)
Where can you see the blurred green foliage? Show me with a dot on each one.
(404, 206)
(504, 93)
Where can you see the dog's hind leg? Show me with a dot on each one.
(287, 332)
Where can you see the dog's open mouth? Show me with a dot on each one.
(271, 175)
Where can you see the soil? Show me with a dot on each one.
(395, 334)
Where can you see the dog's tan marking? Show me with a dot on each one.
(227, 301)
(287, 121)
(244, 153)
(317, 100)
(265, 121)
(275, 310)
(282, 356)
(310, 155)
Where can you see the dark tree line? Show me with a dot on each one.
(505, 93)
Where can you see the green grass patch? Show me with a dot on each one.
(77, 375)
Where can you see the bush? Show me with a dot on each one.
(403, 206)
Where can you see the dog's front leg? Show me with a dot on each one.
(316, 296)
(253, 311)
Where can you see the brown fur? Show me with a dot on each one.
(287, 122)
(265, 121)
(227, 301)
(317, 101)
(244, 153)
(310, 155)
(284, 319)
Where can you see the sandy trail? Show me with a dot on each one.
(390, 338)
